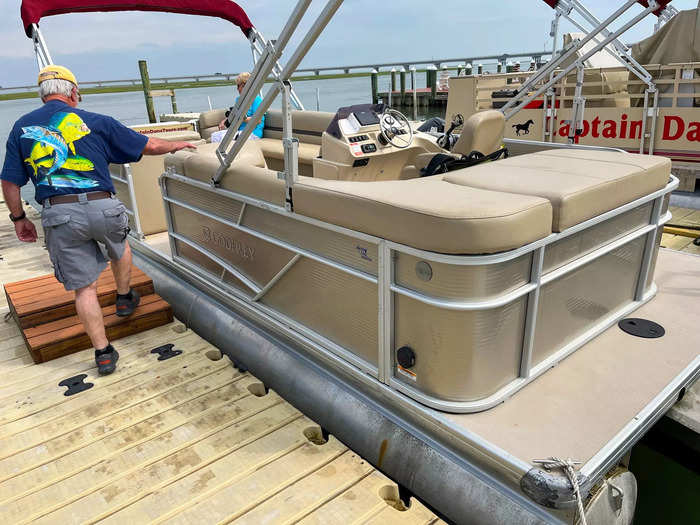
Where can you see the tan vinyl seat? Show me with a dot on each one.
(482, 132)
(428, 213)
(580, 184)
(248, 174)
(307, 127)
(209, 122)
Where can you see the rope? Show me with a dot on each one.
(568, 467)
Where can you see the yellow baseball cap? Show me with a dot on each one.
(56, 72)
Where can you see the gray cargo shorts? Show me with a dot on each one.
(73, 231)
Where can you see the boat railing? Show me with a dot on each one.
(670, 80)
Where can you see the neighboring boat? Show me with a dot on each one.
(643, 98)
(420, 318)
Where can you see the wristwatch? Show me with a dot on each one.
(17, 219)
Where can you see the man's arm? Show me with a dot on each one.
(25, 230)
(156, 146)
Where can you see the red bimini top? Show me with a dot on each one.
(35, 10)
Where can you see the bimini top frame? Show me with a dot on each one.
(33, 11)
(602, 39)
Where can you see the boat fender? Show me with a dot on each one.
(552, 490)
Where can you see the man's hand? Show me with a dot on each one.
(177, 146)
(25, 230)
(156, 146)
(222, 125)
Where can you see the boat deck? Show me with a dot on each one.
(185, 440)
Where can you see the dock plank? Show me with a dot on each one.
(153, 440)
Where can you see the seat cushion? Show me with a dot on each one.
(482, 132)
(580, 184)
(247, 174)
(428, 213)
(273, 148)
(307, 126)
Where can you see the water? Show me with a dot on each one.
(130, 108)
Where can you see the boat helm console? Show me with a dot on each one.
(370, 142)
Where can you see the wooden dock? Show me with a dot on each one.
(184, 440)
(682, 230)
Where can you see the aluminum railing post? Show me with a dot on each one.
(318, 26)
(568, 52)
(290, 175)
(524, 100)
(579, 107)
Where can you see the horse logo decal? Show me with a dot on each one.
(524, 128)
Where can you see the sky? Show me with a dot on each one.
(107, 46)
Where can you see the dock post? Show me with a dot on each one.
(499, 68)
(173, 102)
(415, 93)
(468, 69)
(393, 79)
(509, 69)
(431, 78)
(480, 69)
(460, 68)
(146, 83)
(375, 86)
(402, 79)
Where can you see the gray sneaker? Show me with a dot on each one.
(126, 304)
(106, 360)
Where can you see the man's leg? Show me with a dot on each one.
(122, 271)
(90, 313)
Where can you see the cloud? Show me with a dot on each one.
(363, 31)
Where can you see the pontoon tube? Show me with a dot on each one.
(459, 490)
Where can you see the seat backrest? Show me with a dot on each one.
(209, 122)
(308, 126)
(482, 132)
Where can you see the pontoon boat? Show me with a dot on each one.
(453, 329)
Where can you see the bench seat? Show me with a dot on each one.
(580, 184)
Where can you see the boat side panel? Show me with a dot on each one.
(573, 303)
(340, 307)
(361, 255)
(448, 281)
(187, 253)
(460, 355)
(258, 260)
(570, 248)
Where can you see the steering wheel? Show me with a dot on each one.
(394, 127)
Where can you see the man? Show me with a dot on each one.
(65, 152)
(241, 80)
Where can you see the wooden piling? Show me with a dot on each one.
(146, 83)
(402, 79)
(375, 86)
(393, 79)
(431, 78)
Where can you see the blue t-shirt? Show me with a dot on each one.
(64, 150)
(256, 104)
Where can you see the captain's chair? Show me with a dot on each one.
(482, 132)
(481, 139)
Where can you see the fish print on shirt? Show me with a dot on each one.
(53, 156)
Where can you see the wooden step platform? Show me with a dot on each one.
(45, 312)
